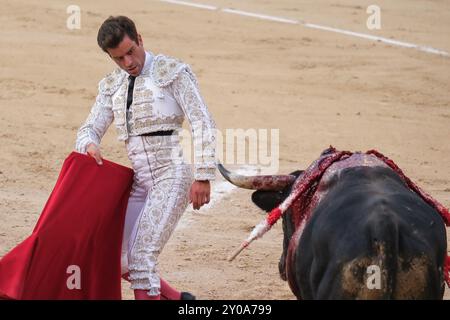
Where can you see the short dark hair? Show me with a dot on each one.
(113, 30)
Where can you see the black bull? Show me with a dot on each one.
(368, 224)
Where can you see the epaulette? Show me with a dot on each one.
(166, 69)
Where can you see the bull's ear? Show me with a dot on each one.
(267, 200)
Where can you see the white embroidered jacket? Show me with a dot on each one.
(164, 93)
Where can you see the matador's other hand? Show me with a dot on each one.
(200, 193)
(93, 151)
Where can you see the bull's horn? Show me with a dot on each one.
(261, 182)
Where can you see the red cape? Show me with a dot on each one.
(77, 237)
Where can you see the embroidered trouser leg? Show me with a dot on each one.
(160, 193)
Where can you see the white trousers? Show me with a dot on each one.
(159, 196)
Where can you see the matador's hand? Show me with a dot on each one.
(93, 151)
(200, 193)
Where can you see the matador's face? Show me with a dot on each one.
(129, 55)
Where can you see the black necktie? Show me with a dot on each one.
(130, 91)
